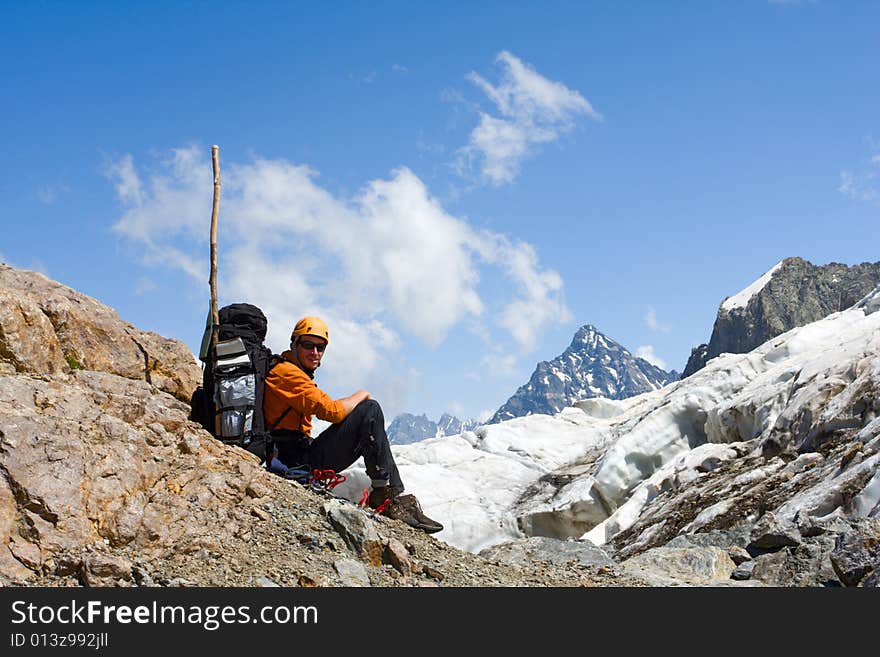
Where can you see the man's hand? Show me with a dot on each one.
(354, 399)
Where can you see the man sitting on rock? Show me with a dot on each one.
(358, 426)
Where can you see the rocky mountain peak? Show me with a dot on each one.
(407, 428)
(593, 365)
(792, 293)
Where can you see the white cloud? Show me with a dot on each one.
(532, 110)
(386, 264)
(128, 183)
(653, 324)
(647, 352)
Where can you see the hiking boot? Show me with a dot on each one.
(406, 508)
(380, 495)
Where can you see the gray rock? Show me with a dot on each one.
(856, 552)
(808, 526)
(807, 564)
(696, 566)
(179, 582)
(356, 529)
(771, 533)
(722, 538)
(872, 580)
(526, 551)
(352, 573)
(267, 583)
(743, 571)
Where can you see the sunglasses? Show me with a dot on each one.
(308, 346)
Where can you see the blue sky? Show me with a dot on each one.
(456, 187)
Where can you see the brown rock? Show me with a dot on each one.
(46, 328)
(26, 552)
(79, 453)
(27, 338)
(11, 568)
(430, 571)
(7, 512)
(105, 569)
(396, 554)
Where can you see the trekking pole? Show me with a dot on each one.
(215, 317)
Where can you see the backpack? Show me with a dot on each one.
(229, 403)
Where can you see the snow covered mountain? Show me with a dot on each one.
(792, 293)
(593, 365)
(407, 428)
(767, 464)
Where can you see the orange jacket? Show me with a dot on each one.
(289, 387)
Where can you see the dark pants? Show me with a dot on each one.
(361, 433)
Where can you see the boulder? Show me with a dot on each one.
(90, 457)
(772, 532)
(48, 328)
(695, 566)
(856, 552)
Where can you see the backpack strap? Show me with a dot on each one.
(273, 361)
(275, 424)
(271, 448)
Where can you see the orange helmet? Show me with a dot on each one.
(311, 326)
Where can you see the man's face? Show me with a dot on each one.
(309, 350)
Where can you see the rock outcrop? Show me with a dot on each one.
(795, 294)
(46, 327)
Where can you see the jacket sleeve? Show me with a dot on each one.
(320, 404)
(303, 395)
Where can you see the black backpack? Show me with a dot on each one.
(229, 403)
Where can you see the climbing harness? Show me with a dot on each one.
(324, 481)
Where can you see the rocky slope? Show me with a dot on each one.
(772, 457)
(104, 481)
(795, 293)
(593, 365)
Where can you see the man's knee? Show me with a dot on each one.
(370, 408)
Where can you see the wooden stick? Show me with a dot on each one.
(215, 316)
